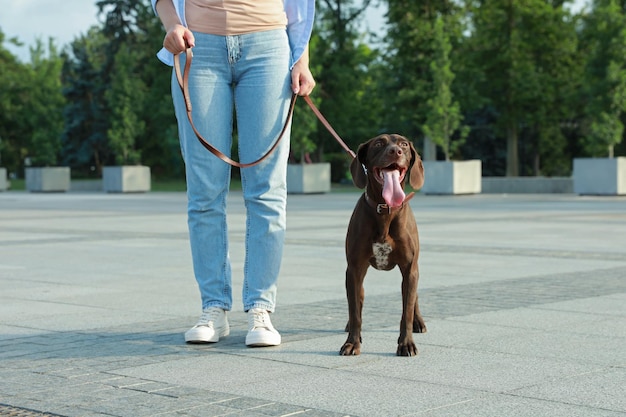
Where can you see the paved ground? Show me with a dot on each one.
(524, 298)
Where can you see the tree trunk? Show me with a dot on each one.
(512, 160)
(537, 164)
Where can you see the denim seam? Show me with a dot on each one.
(262, 306)
(246, 273)
(225, 265)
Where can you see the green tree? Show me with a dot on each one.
(86, 122)
(604, 42)
(411, 48)
(556, 70)
(345, 84)
(443, 117)
(525, 51)
(44, 104)
(120, 23)
(105, 69)
(125, 98)
(13, 91)
(159, 144)
(132, 24)
(30, 106)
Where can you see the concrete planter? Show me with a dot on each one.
(308, 178)
(4, 183)
(48, 179)
(126, 179)
(600, 176)
(452, 177)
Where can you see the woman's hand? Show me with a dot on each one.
(302, 81)
(178, 38)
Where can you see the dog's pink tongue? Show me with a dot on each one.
(392, 189)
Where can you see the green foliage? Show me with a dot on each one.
(606, 131)
(411, 49)
(604, 39)
(13, 127)
(159, 145)
(535, 85)
(43, 105)
(303, 129)
(345, 82)
(525, 52)
(443, 116)
(132, 24)
(125, 98)
(84, 137)
(31, 105)
(119, 103)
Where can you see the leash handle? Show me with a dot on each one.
(183, 82)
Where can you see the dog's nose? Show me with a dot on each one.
(395, 150)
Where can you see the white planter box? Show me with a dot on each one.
(600, 176)
(452, 177)
(126, 179)
(4, 183)
(308, 178)
(48, 179)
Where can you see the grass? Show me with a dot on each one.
(180, 186)
(17, 185)
(168, 185)
(156, 185)
(235, 185)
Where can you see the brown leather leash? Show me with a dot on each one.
(183, 82)
(328, 127)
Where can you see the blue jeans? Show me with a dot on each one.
(250, 75)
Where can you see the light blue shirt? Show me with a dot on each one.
(300, 14)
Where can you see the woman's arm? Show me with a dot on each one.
(177, 37)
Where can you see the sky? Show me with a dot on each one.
(64, 20)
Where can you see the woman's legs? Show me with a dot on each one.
(256, 68)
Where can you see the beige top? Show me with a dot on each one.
(234, 17)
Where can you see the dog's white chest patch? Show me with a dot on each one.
(381, 254)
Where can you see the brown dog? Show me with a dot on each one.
(383, 233)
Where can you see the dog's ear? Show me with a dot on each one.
(416, 174)
(359, 177)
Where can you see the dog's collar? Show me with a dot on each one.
(384, 208)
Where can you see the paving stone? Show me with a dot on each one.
(524, 297)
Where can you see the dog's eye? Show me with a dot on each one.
(378, 143)
(404, 144)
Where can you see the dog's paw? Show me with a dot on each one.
(350, 349)
(406, 349)
(419, 326)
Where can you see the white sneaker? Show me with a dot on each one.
(260, 329)
(212, 325)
